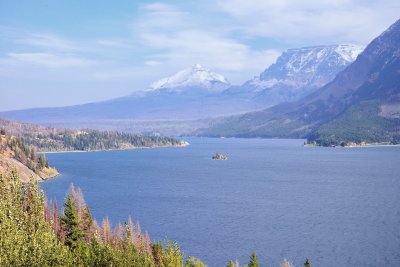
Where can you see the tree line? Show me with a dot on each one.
(90, 140)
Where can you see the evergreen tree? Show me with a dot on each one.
(253, 260)
(287, 263)
(193, 262)
(231, 264)
(157, 252)
(173, 256)
(70, 223)
(42, 161)
(26, 239)
(56, 225)
(307, 263)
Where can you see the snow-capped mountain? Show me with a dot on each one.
(197, 76)
(301, 70)
(199, 93)
(361, 104)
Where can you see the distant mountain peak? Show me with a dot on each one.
(310, 67)
(196, 76)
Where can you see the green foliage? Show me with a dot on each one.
(26, 239)
(91, 140)
(70, 221)
(231, 264)
(43, 161)
(33, 235)
(359, 124)
(193, 262)
(172, 256)
(253, 260)
(26, 154)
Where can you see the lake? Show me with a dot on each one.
(337, 206)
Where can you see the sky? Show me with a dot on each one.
(66, 52)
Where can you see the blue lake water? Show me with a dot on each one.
(337, 206)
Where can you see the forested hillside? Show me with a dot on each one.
(59, 139)
(15, 154)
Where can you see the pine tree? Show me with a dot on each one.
(193, 262)
(56, 222)
(172, 255)
(106, 232)
(287, 263)
(307, 263)
(42, 161)
(83, 212)
(231, 264)
(157, 252)
(26, 239)
(70, 222)
(86, 224)
(253, 260)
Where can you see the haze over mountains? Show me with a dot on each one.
(199, 93)
(362, 104)
(336, 94)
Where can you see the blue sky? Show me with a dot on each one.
(64, 52)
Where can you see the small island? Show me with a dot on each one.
(219, 156)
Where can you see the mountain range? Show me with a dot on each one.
(331, 95)
(360, 105)
(199, 93)
(298, 72)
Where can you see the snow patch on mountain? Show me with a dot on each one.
(310, 67)
(349, 53)
(197, 76)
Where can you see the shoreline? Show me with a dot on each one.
(355, 145)
(48, 178)
(371, 145)
(184, 144)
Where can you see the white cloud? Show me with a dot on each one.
(237, 38)
(50, 42)
(113, 43)
(180, 40)
(152, 63)
(49, 60)
(312, 21)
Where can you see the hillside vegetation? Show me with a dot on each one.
(15, 154)
(360, 124)
(59, 139)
